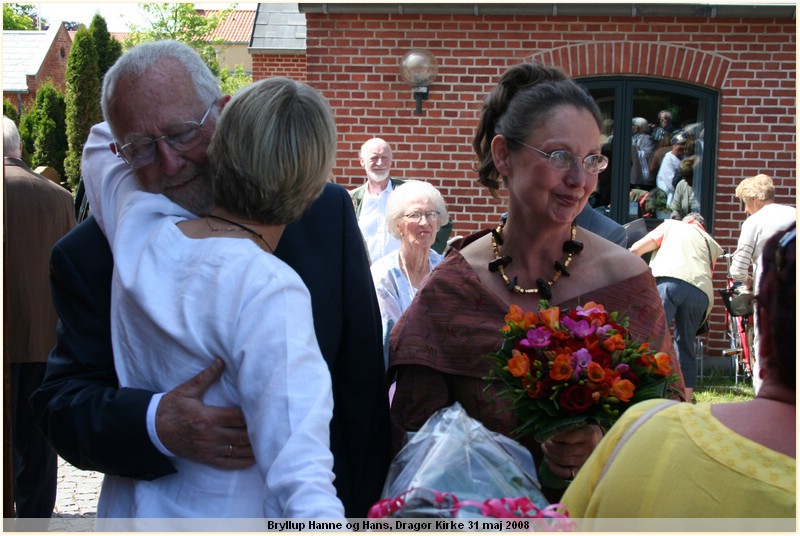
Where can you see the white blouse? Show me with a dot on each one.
(394, 291)
(179, 302)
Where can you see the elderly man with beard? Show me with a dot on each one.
(370, 200)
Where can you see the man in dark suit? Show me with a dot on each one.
(96, 425)
(37, 212)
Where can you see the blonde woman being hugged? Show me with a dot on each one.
(414, 214)
(189, 290)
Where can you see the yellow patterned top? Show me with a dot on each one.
(683, 463)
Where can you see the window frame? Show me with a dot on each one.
(624, 89)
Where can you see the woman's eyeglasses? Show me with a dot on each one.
(560, 159)
(416, 217)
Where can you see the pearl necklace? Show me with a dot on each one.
(407, 274)
(571, 247)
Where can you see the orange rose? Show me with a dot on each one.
(550, 317)
(519, 364)
(614, 343)
(623, 390)
(663, 364)
(520, 318)
(561, 368)
(595, 372)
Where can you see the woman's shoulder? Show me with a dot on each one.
(612, 258)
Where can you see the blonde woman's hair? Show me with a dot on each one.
(759, 187)
(273, 151)
(409, 192)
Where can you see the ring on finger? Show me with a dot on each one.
(230, 451)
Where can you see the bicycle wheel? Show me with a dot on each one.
(748, 352)
(735, 349)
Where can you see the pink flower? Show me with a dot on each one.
(536, 338)
(580, 329)
(581, 360)
(589, 310)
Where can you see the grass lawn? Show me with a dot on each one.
(719, 389)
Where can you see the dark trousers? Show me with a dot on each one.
(35, 461)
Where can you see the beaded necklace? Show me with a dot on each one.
(571, 247)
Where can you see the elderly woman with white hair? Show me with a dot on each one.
(414, 214)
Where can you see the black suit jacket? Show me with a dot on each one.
(95, 425)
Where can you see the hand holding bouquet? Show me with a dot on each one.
(564, 369)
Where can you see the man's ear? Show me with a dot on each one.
(223, 101)
(501, 155)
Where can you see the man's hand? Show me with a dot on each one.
(566, 452)
(210, 435)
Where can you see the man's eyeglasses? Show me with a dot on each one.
(594, 163)
(417, 216)
(181, 137)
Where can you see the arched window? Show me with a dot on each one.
(629, 188)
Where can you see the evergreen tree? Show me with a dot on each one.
(82, 100)
(26, 133)
(10, 111)
(108, 48)
(44, 129)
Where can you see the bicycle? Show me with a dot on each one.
(739, 326)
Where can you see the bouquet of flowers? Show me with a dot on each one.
(565, 369)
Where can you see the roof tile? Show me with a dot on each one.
(236, 28)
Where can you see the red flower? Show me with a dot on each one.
(535, 389)
(575, 399)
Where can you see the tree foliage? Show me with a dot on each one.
(180, 22)
(82, 101)
(230, 83)
(20, 17)
(10, 111)
(43, 129)
(108, 48)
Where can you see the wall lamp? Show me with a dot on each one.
(418, 68)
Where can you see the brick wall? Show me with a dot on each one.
(53, 68)
(289, 65)
(354, 60)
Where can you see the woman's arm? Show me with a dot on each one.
(108, 179)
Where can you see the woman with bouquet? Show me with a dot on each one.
(539, 137)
